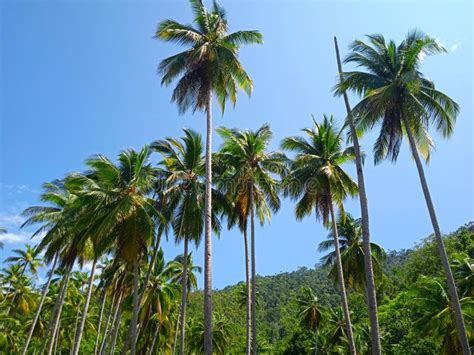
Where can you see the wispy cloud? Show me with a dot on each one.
(7, 220)
(14, 237)
(455, 47)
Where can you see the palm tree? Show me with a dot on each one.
(364, 209)
(464, 272)
(184, 176)
(120, 213)
(251, 185)
(221, 335)
(210, 65)
(58, 242)
(437, 319)
(160, 296)
(402, 102)
(318, 182)
(310, 311)
(352, 253)
(27, 259)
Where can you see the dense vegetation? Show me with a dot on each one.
(411, 317)
(113, 215)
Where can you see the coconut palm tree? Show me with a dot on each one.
(184, 175)
(28, 259)
(463, 268)
(161, 293)
(437, 319)
(61, 240)
(237, 215)
(399, 99)
(352, 253)
(364, 211)
(318, 182)
(310, 311)
(251, 184)
(120, 214)
(208, 66)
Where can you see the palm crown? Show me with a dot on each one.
(211, 62)
(316, 177)
(394, 88)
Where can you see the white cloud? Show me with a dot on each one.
(7, 220)
(455, 47)
(14, 238)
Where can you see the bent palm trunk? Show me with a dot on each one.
(40, 306)
(208, 233)
(453, 293)
(254, 273)
(101, 316)
(184, 295)
(116, 325)
(368, 268)
(155, 335)
(340, 278)
(52, 325)
(248, 302)
(77, 341)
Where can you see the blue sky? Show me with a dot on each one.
(79, 77)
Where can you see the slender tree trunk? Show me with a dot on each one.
(340, 278)
(136, 306)
(78, 337)
(176, 330)
(56, 338)
(368, 268)
(40, 306)
(101, 316)
(208, 233)
(184, 296)
(248, 301)
(254, 273)
(115, 326)
(155, 335)
(110, 320)
(76, 324)
(453, 293)
(143, 290)
(52, 325)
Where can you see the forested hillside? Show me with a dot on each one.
(411, 277)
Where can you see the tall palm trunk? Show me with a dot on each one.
(101, 316)
(116, 324)
(453, 293)
(368, 268)
(184, 296)
(208, 233)
(136, 306)
(78, 337)
(153, 342)
(254, 274)
(53, 321)
(113, 325)
(248, 302)
(340, 279)
(109, 322)
(143, 290)
(40, 306)
(176, 330)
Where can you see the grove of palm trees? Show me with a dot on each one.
(98, 275)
